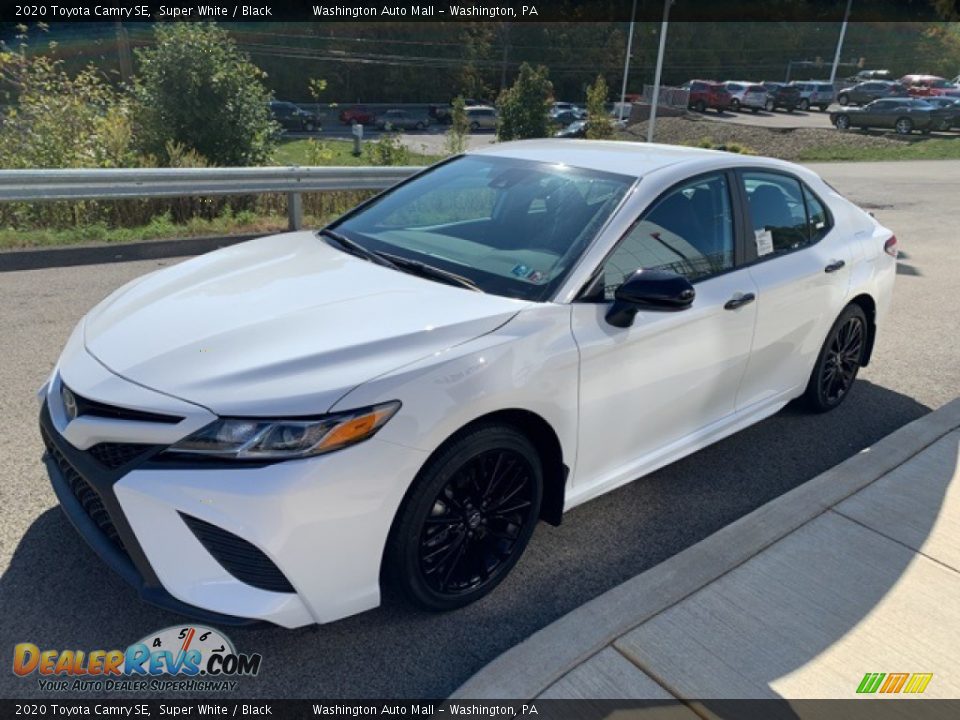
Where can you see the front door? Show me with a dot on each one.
(647, 387)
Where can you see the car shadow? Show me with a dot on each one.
(56, 593)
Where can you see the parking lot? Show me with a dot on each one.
(57, 594)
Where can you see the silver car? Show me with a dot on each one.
(746, 95)
(482, 117)
(814, 94)
(402, 120)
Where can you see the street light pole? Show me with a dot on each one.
(656, 78)
(626, 63)
(843, 31)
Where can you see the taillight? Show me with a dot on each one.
(890, 246)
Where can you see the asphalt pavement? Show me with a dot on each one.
(55, 593)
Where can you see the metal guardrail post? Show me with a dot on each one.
(294, 211)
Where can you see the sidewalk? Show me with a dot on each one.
(857, 571)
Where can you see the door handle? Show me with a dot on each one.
(739, 301)
(834, 266)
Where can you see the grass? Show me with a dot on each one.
(920, 149)
(335, 153)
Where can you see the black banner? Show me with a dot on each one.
(472, 10)
(865, 709)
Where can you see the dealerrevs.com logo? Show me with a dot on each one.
(176, 658)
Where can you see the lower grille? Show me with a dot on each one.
(88, 497)
(238, 557)
(114, 455)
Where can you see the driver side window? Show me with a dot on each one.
(688, 231)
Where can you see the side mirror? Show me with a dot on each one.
(658, 290)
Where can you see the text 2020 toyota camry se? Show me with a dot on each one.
(282, 429)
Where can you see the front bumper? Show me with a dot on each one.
(322, 522)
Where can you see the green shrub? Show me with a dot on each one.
(456, 140)
(599, 124)
(195, 88)
(387, 150)
(523, 106)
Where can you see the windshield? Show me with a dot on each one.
(513, 227)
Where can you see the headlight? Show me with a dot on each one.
(273, 439)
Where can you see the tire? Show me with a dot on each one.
(447, 548)
(903, 126)
(804, 104)
(308, 126)
(735, 105)
(474, 126)
(843, 99)
(770, 106)
(839, 361)
(419, 126)
(842, 122)
(700, 106)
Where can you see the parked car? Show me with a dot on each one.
(866, 92)
(443, 114)
(746, 95)
(482, 117)
(865, 75)
(559, 107)
(704, 94)
(901, 114)
(814, 94)
(402, 120)
(357, 115)
(951, 106)
(566, 117)
(576, 129)
(781, 95)
(928, 86)
(290, 428)
(292, 117)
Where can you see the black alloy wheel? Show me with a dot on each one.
(839, 361)
(466, 520)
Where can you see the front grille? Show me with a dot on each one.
(114, 455)
(86, 406)
(238, 557)
(88, 497)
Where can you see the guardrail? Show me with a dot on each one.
(127, 183)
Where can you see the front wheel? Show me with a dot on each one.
(904, 126)
(700, 106)
(770, 106)
(735, 105)
(842, 122)
(839, 361)
(804, 104)
(466, 520)
(844, 99)
(474, 126)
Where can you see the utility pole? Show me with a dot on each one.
(843, 31)
(505, 36)
(626, 62)
(656, 78)
(123, 53)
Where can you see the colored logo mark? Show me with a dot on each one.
(892, 683)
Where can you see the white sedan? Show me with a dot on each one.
(282, 429)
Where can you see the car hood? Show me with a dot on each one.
(283, 325)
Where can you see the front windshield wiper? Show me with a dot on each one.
(431, 271)
(355, 248)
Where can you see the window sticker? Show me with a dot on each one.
(520, 270)
(764, 242)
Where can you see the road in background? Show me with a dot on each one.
(56, 593)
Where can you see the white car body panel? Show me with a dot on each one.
(289, 326)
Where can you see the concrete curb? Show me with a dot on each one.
(526, 670)
(36, 259)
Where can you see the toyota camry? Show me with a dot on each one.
(286, 429)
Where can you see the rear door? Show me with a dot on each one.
(801, 270)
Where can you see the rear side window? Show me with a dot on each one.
(784, 213)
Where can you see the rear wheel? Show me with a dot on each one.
(700, 106)
(770, 106)
(903, 126)
(844, 99)
(839, 361)
(466, 520)
(804, 104)
(474, 126)
(735, 105)
(842, 122)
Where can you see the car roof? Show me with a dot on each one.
(621, 157)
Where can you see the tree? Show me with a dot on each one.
(195, 88)
(523, 106)
(599, 124)
(459, 127)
